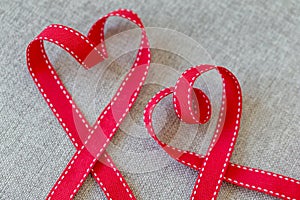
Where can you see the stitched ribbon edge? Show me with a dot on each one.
(254, 179)
(145, 46)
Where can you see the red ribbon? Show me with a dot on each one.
(91, 141)
(214, 167)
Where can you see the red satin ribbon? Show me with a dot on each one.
(90, 141)
(214, 167)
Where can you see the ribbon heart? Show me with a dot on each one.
(215, 166)
(90, 141)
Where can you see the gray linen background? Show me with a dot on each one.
(257, 40)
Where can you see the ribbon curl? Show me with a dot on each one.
(91, 141)
(215, 167)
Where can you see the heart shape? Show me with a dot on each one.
(90, 141)
(214, 167)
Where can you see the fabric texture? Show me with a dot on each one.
(257, 40)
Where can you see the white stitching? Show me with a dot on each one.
(115, 98)
(266, 172)
(119, 175)
(189, 92)
(235, 133)
(77, 34)
(148, 112)
(60, 119)
(212, 144)
(74, 105)
(158, 97)
(258, 188)
(101, 184)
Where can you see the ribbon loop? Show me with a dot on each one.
(90, 141)
(214, 167)
(191, 105)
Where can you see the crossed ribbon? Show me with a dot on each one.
(91, 141)
(215, 166)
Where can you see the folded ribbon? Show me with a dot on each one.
(214, 167)
(90, 141)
